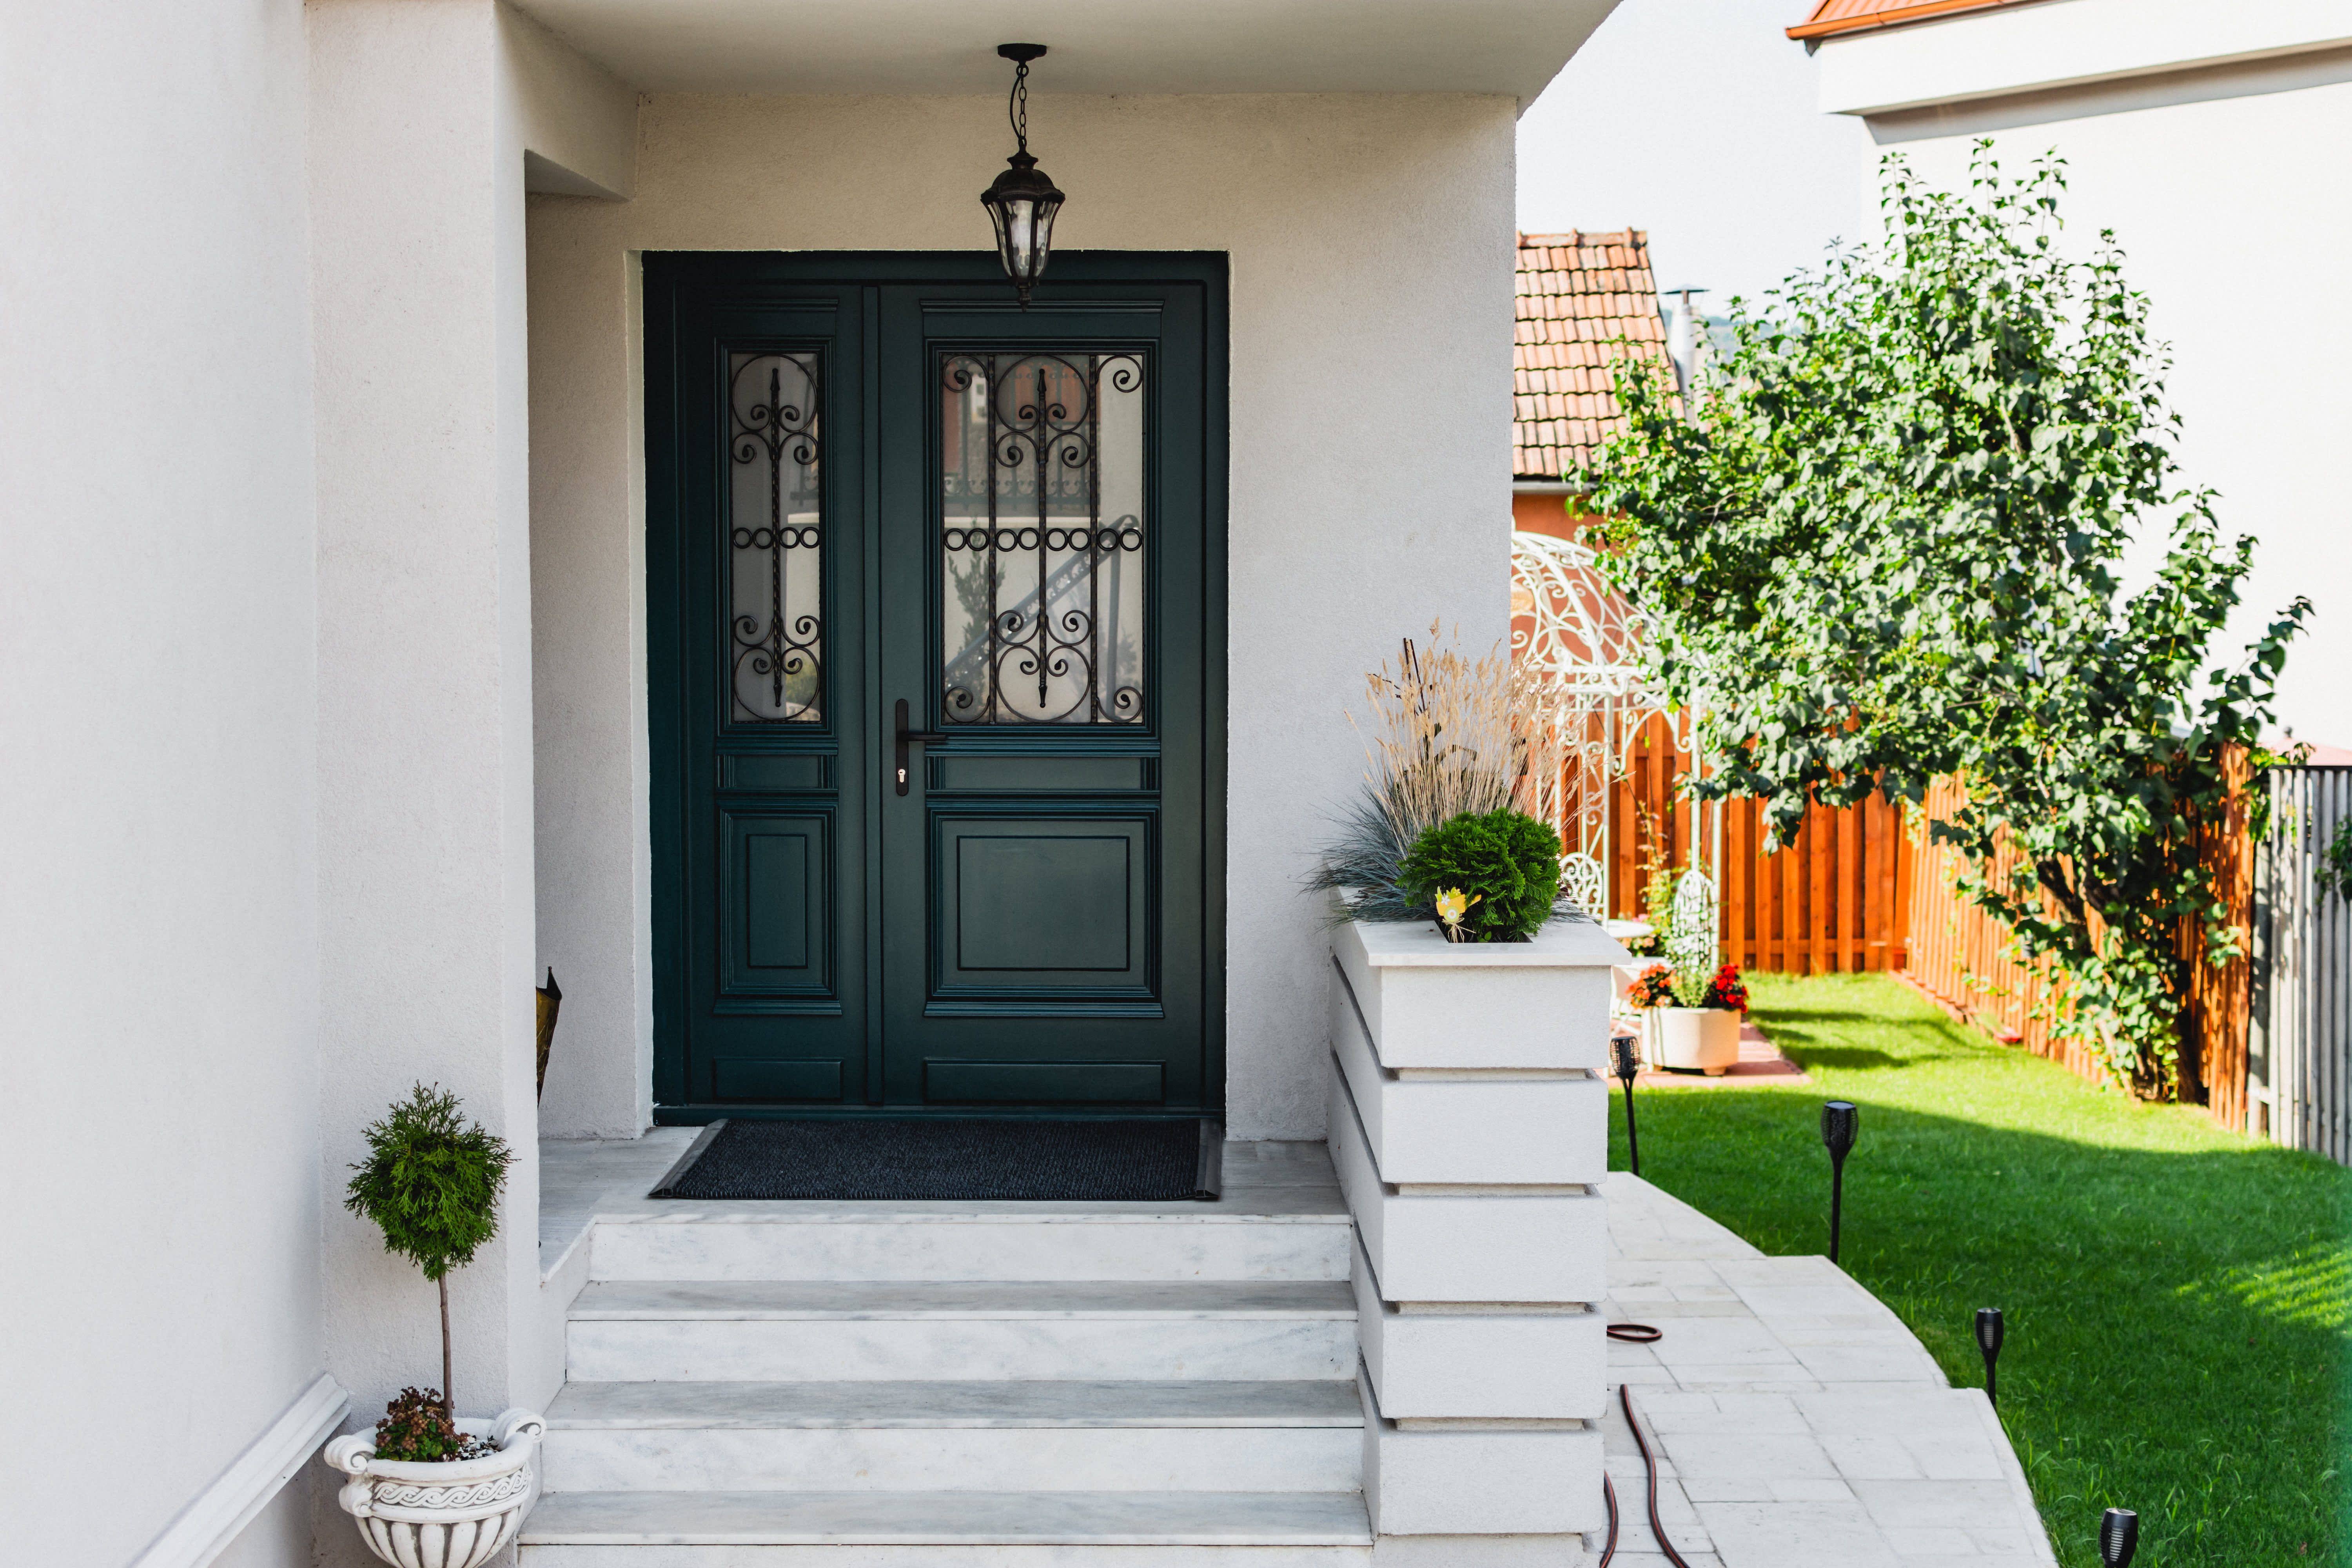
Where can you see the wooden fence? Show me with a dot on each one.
(1858, 891)
(1836, 901)
(2299, 1048)
(1962, 958)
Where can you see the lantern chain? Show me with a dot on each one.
(1017, 108)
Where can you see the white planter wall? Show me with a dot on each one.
(1468, 1118)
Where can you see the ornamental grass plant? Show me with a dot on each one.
(1445, 736)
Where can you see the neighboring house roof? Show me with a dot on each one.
(1578, 294)
(1831, 17)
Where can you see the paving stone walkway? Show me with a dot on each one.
(1799, 1421)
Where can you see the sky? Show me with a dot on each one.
(1696, 120)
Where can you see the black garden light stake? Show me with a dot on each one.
(1989, 1342)
(2118, 1537)
(1022, 201)
(1625, 1049)
(1839, 1123)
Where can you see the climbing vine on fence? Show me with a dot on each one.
(1885, 542)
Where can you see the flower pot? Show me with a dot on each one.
(1705, 1038)
(454, 1515)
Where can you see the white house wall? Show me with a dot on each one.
(158, 918)
(1372, 248)
(2222, 182)
(424, 115)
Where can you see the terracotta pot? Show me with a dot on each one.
(454, 1515)
(1706, 1038)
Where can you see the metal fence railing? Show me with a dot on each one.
(2299, 1041)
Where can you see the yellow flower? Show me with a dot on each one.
(1452, 905)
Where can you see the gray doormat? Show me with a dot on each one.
(912, 1159)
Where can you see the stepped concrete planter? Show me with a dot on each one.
(1701, 1039)
(455, 1515)
(1468, 1118)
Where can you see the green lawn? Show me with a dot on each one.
(2178, 1298)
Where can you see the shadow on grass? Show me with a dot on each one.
(2177, 1298)
(1850, 1057)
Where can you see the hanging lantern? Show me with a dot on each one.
(1022, 201)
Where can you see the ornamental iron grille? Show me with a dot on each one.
(1580, 643)
(1041, 539)
(775, 536)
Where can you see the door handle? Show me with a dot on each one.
(911, 736)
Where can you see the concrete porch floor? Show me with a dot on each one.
(1798, 1420)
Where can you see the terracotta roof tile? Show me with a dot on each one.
(1830, 17)
(1578, 295)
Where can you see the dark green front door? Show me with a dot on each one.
(936, 684)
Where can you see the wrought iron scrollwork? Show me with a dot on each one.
(776, 540)
(1043, 554)
(1579, 642)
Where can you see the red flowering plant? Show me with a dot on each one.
(1654, 987)
(1726, 992)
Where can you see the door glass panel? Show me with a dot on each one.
(775, 536)
(1041, 537)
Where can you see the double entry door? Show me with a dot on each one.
(935, 684)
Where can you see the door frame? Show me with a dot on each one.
(666, 272)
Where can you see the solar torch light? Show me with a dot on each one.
(1989, 1342)
(2118, 1537)
(1624, 1051)
(1839, 1123)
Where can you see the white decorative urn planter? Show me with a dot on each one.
(459, 1514)
(1706, 1039)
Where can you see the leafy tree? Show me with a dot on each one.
(1883, 544)
(431, 1184)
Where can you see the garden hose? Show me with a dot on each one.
(1636, 1334)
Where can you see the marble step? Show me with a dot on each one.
(916, 1529)
(1171, 1435)
(1301, 1234)
(795, 1332)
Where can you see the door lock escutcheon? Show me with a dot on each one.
(911, 736)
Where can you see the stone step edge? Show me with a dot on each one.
(904, 1302)
(1183, 1519)
(783, 1215)
(1023, 1404)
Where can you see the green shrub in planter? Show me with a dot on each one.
(1504, 864)
(431, 1184)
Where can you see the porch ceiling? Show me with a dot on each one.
(1512, 46)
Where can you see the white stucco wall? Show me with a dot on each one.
(1372, 247)
(159, 1172)
(423, 116)
(2223, 182)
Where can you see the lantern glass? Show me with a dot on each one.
(1022, 203)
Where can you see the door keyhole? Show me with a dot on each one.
(911, 736)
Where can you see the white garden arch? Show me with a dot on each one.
(1580, 643)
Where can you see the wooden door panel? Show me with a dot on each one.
(775, 879)
(1034, 907)
(1070, 1083)
(766, 1079)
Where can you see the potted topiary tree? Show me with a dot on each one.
(427, 1487)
